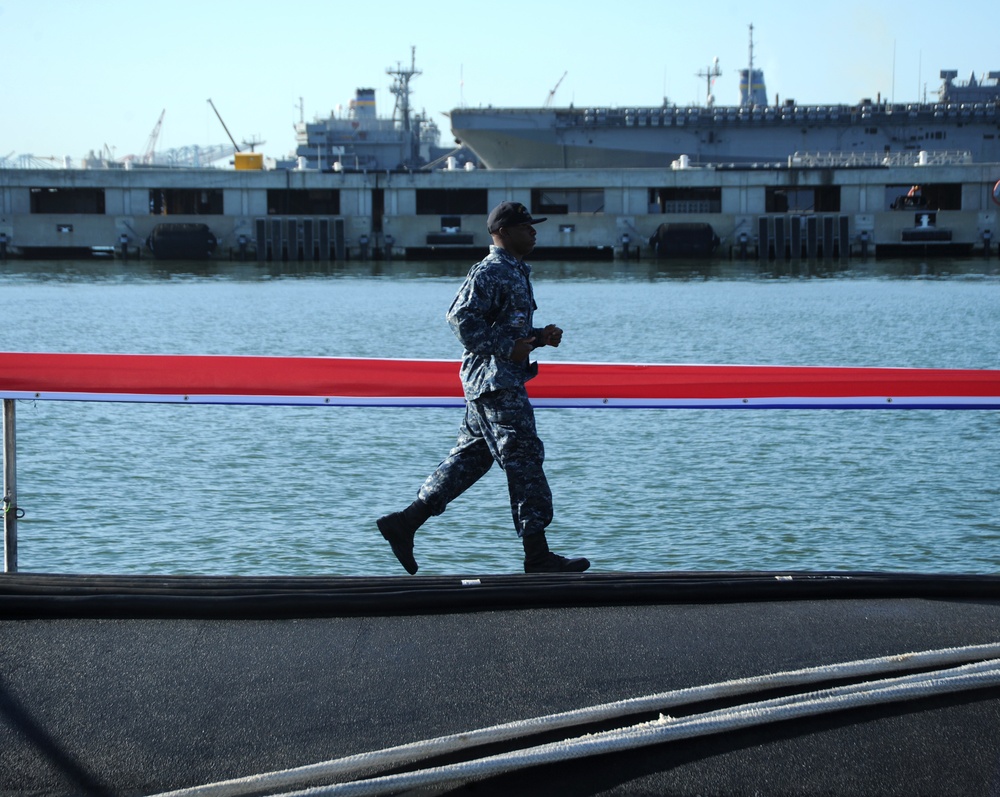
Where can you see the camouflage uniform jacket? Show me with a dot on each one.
(492, 309)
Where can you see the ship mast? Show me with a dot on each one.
(710, 74)
(401, 88)
(748, 97)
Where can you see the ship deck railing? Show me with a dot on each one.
(673, 115)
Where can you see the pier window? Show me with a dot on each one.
(303, 202)
(929, 196)
(685, 200)
(452, 202)
(68, 200)
(185, 202)
(822, 199)
(557, 201)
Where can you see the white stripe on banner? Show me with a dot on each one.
(297, 401)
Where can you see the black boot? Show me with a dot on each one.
(400, 527)
(539, 559)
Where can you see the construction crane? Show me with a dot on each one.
(552, 94)
(223, 124)
(194, 155)
(29, 161)
(253, 142)
(147, 154)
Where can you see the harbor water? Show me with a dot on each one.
(168, 489)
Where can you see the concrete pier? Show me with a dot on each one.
(775, 211)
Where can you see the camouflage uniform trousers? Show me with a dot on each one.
(499, 426)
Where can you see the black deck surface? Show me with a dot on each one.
(127, 686)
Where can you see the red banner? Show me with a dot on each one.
(386, 382)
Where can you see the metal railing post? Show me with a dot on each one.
(9, 488)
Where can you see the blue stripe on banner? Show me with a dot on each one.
(775, 403)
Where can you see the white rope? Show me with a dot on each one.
(667, 729)
(417, 751)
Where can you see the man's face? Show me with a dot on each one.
(519, 239)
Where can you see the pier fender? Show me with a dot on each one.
(181, 241)
(688, 239)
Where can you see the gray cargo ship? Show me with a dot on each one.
(965, 119)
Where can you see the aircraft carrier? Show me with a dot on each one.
(964, 119)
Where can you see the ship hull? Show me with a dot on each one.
(643, 138)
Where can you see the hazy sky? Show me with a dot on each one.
(79, 75)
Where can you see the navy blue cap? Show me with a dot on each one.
(508, 214)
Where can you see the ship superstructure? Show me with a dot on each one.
(359, 140)
(972, 91)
